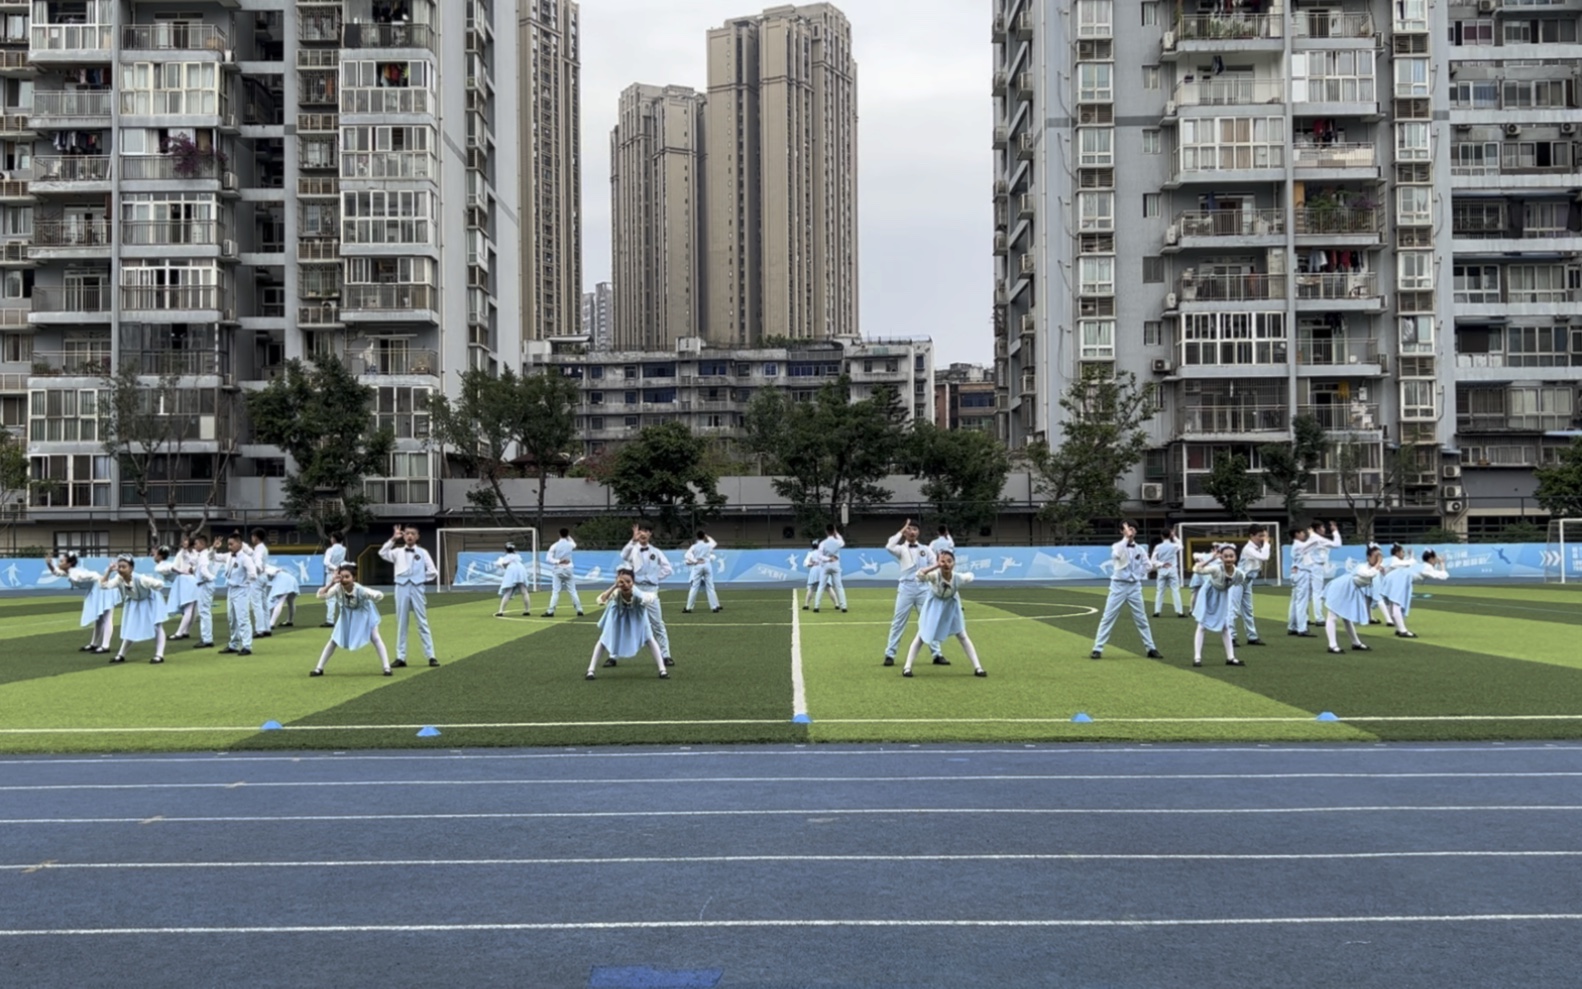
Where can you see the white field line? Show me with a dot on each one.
(798, 683)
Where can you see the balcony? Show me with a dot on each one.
(72, 108)
(76, 364)
(162, 233)
(16, 125)
(1500, 422)
(1339, 158)
(319, 249)
(71, 42)
(377, 300)
(1331, 25)
(181, 298)
(319, 187)
(392, 100)
(183, 494)
(393, 362)
(1216, 32)
(1341, 289)
(1337, 351)
(81, 237)
(70, 173)
(1350, 224)
(388, 165)
(1219, 227)
(1195, 287)
(185, 363)
(16, 63)
(1215, 91)
(16, 191)
(388, 36)
(325, 314)
(168, 168)
(183, 36)
(73, 300)
(1344, 417)
(1233, 419)
(1218, 164)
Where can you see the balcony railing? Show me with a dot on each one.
(72, 104)
(1336, 351)
(388, 36)
(327, 314)
(148, 233)
(145, 167)
(181, 297)
(1500, 422)
(370, 361)
(90, 363)
(1231, 223)
(76, 298)
(1217, 91)
(1225, 419)
(180, 362)
(394, 298)
(174, 36)
(72, 233)
(319, 249)
(393, 100)
(1343, 415)
(1334, 156)
(72, 37)
(1213, 27)
(1339, 220)
(193, 494)
(388, 165)
(1338, 285)
(72, 168)
(1332, 24)
(1194, 287)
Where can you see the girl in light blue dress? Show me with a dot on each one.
(282, 594)
(182, 587)
(1396, 587)
(1211, 606)
(143, 610)
(1349, 598)
(98, 606)
(941, 613)
(356, 618)
(513, 579)
(624, 628)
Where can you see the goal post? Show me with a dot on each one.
(1200, 537)
(466, 557)
(1562, 558)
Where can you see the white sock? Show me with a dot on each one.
(1197, 645)
(324, 657)
(966, 646)
(1329, 630)
(911, 653)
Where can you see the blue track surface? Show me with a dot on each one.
(821, 866)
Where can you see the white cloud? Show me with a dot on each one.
(923, 148)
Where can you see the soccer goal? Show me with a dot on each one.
(1563, 551)
(467, 557)
(1200, 537)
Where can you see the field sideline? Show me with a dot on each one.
(1493, 662)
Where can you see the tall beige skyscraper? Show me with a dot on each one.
(551, 168)
(780, 176)
(656, 159)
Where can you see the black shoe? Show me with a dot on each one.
(1406, 635)
(549, 614)
(719, 609)
(398, 664)
(1235, 642)
(664, 674)
(588, 677)
(1304, 635)
(318, 673)
(1336, 651)
(1361, 648)
(1255, 642)
(906, 673)
(1290, 631)
(1154, 654)
(326, 624)
(669, 661)
(117, 659)
(432, 661)
(229, 651)
(499, 614)
(686, 611)
(1197, 662)
(527, 614)
(815, 610)
(156, 660)
(289, 625)
(610, 661)
(178, 638)
(245, 652)
(203, 645)
(980, 673)
(388, 673)
(1183, 616)
(87, 649)
(579, 614)
(940, 660)
(263, 635)
(1234, 662)
(889, 661)
(804, 607)
(843, 611)
(1095, 654)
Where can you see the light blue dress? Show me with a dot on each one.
(357, 617)
(1212, 610)
(284, 582)
(515, 575)
(183, 590)
(941, 614)
(624, 625)
(1396, 585)
(143, 607)
(1350, 596)
(100, 598)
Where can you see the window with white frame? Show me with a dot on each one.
(1472, 31)
(1411, 15)
(387, 217)
(1478, 94)
(1096, 211)
(83, 543)
(1096, 147)
(1538, 283)
(16, 221)
(1547, 219)
(1548, 31)
(1150, 77)
(1096, 275)
(16, 348)
(1411, 78)
(1153, 332)
(1342, 76)
(1417, 335)
(1095, 18)
(1150, 13)
(388, 153)
(1474, 157)
(1476, 284)
(1152, 142)
(1537, 93)
(1414, 205)
(1153, 204)
(319, 218)
(1095, 82)
(1414, 271)
(319, 281)
(1231, 143)
(1098, 339)
(409, 482)
(161, 284)
(1233, 338)
(387, 86)
(187, 88)
(404, 411)
(1548, 155)
(1538, 346)
(1541, 406)
(64, 415)
(78, 481)
(1419, 399)
(1412, 141)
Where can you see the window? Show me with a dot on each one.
(771, 370)
(1344, 76)
(1152, 144)
(373, 86)
(1153, 271)
(1096, 210)
(1153, 333)
(1233, 338)
(388, 217)
(1535, 154)
(1414, 205)
(596, 372)
(1412, 141)
(80, 481)
(1538, 346)
(403, 411)
(1152, 204)
(83, 543)
(1231, 143)
(1417, 335)
(1096, 276)
(189, 88)
(1150, 77)
(1414, 271)
(659, 370)
(1538, 283)
(1478, 94)
(16, 348)
(1547, 219)
(1150, 13)
(1095, 18)
(387, 152)
(1098, 339)
(713, 368)
(1411, 78)
(629, 398)
(408, 483)
(1476, 284)
(595, 422)
(1541, 407)
(319, 281)
(1095, 82)
(1096, 147)
(1419, 399)
(65, 415)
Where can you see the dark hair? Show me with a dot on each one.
(198, 535)
(564, 533)
(829, 530)
(258, 534)
(510, 547)
(1429, 554)
(948, 552)
(645, 527)
(1127, 522)
(1255, 530)
(944, 530)
(626, 570)
(1397, 550)
(162, 553)
(336, 537)
(70, 559)
(236, 534)
(813, 543)
(350, 568)
(702, 534)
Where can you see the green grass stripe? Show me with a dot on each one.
(1518, 612)
(14, 609)
(1038, 671)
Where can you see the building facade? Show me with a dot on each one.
(1360, 211)
(549, 103)
(598, 316)
(656, 162)
(211, 192)
(708, 388)
(965, 398)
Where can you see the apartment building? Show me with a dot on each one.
(549, 102)
(598, 316)
(211, 189)
(708, 388)
(964, 397)
(1362, 211)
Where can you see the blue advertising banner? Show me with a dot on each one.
(34, 575)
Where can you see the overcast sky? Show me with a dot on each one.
(926, 166)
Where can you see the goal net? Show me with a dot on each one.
(1200, 537)
(1563, 551)
(468, 559)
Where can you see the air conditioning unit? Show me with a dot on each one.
(1568, 128)
(1463, 127)
(1153, 491)
(1451, 471)
(1029, 264)
(1029, 324)
(1511, 130)
(1170, 108)
(1486, 6)
(228, 249)
(229, 181)
(1162, 366)
(1450, 492)
(228, 316)
(1173, 233)
(1170, 41)
(1455, 507)
(1170, 300)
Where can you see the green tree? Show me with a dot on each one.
(1288, 467)
(148, 422)
(548, 431)
(1231, 483)
(321, 417)
(477, 429)
(665, 472)
(1371, 479)
(828, 451)
(1560, 484)
(1102, 439)
(13, 479)
(963, 474)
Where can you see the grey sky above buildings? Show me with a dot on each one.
(926, 165)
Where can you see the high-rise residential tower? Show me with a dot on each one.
(656, 160)
(550, 100)
(598, 315)
(1357, 210)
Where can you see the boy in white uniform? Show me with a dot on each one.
(334, 556)
(1126, 590)
(814, 564)
(830, 549)
(414, 569)
(1167, 569)
(260, 551)
(203, 570)
(910, 592)
(1251, 562)
(700, 564)
(649, 566)
(563, 574)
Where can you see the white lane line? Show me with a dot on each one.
(1079, 611)
(52, 866)
(797, 780)
(798, 684)
(814, 812)
(654, 925)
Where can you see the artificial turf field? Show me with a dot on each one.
(1493, 662)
